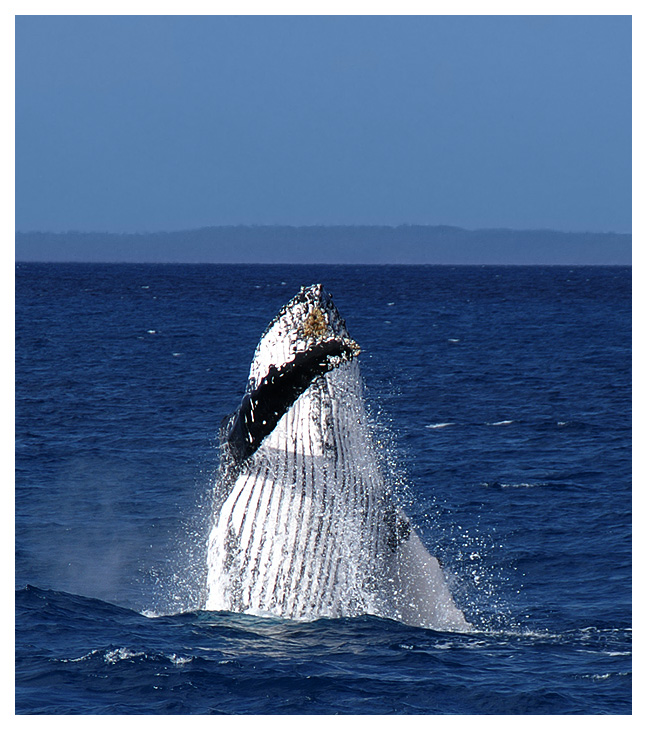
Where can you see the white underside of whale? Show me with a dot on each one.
(302, 532)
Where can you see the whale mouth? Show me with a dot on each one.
(309, 339)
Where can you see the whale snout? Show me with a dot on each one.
(309, 319)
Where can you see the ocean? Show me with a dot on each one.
(503, 400)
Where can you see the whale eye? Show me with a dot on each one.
(315, 324)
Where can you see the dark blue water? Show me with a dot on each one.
(505, 395)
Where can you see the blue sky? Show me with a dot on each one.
(152, 123)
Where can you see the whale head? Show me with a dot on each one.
(306, 339)
(309, 322)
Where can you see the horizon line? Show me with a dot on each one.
(313, 263)
(320, 225)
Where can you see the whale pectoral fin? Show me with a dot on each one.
(398, 528)
(420, 591)
(262, 409)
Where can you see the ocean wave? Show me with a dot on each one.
(514, 485)
(123, 653)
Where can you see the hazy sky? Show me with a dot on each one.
(150, 123)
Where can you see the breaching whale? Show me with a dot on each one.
(306, 525)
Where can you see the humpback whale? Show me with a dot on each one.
(307, 526)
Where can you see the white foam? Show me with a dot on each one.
(117, 655)
(82, 658)
(146, 613)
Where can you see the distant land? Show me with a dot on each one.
(405, 244)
